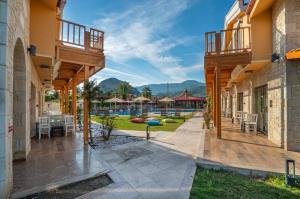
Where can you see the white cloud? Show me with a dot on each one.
(133, 78)
(145, 31)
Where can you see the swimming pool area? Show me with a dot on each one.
(138, 111)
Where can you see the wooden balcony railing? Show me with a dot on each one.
(76, 35)
(229, 41)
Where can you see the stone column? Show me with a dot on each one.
(291, 39)
(5, 131)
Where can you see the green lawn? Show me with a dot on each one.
(124, 123)
(222, 184)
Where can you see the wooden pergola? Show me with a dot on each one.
(79, 54)
(223, 53)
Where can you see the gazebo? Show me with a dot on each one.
(185, 100)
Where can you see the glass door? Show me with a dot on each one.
(240, 101)
(261, 100)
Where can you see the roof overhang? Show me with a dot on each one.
(257, 7)
(293, 54)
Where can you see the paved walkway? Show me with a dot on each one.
(161, 168)
(246, 150)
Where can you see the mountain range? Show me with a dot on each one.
(170, 89)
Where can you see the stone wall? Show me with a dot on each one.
(5, 153)
(14, 26)
(18, 29)
(292, 38)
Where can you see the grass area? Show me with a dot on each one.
(124, 123)
(209, 184)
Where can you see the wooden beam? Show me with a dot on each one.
(218, 101)
(74, 99)
(67, 99)
(85, 109)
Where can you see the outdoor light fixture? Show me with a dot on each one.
(290, 178)
(44, 66)
(32, 50)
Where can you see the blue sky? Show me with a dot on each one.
(151, 41)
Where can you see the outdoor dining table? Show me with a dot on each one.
(57, 124)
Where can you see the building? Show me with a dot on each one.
(251, 66)
(185, 100)
(38, 51)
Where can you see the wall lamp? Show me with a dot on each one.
(32, 50)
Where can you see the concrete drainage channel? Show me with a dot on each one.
(69, 190)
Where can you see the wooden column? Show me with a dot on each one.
(74, 99)
(85, 109)
(62, 101)
(67, 99)
(214, 102)
(218, 100)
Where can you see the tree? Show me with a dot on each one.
(91, 91)
(51, 96)
(147, 92)
(124, 89)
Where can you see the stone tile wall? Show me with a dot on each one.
(5, 157)
(292, 41)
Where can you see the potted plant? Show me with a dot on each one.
(107, 127)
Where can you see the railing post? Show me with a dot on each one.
(87, 40)
(218, 43)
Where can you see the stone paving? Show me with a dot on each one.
(160, 168)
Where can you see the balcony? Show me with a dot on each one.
(228, 47)
(77, 46)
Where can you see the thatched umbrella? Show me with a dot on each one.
(166, 100)
(115, 100)
(141, 99)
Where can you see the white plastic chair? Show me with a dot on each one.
(44, 124)
(251, 123)
(238, 117)
(69, 124)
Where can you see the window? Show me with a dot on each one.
(246, 2)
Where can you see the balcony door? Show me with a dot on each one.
(261, 99)
(240, 101)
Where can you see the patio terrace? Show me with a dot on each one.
(246, 150)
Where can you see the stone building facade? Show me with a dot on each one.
(18, 79)
(281, 78)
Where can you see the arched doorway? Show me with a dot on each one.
(19, 102)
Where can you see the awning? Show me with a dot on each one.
(293, 54)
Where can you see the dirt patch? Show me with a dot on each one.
(73, 190)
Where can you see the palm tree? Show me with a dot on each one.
(91, 91)
(147, 92)
(124, 89)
